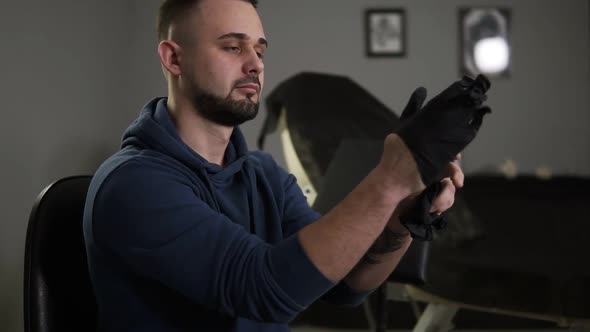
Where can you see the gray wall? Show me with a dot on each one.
(541, 114)
(63, 67)
(75, 73)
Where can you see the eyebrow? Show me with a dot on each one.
(242, 36)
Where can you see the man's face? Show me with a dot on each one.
(221, 63)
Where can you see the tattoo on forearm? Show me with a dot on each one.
(389, 241)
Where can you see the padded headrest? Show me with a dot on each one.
(322, 110)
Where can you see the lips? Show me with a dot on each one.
(252, 86)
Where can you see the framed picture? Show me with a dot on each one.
(385, 32)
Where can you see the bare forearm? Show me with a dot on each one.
(387, 251)
(381, 259)
(337, 241)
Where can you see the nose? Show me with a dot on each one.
(253, 66)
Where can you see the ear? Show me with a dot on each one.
(169, 53)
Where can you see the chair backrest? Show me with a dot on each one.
(332, 133)
(58, 295)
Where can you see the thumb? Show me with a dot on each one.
(415, 103)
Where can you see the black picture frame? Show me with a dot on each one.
(385, 32)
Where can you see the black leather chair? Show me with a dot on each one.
(58, 295)
(332, 133)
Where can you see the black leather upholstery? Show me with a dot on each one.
(532, 255)
(58, 294)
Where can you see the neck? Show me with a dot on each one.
(206, 138)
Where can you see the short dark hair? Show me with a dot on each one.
(172, 11)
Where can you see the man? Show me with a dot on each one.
(188, 231)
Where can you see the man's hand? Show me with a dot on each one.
(440, 130)
(398, 167)
(445, 199)
(420, 213)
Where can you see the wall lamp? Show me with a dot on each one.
(485, 42)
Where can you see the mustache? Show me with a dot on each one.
(246, 80)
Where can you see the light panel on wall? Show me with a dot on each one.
(485, 42)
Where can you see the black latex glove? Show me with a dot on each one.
(437, 132)
(418, 219)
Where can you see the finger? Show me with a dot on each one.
(458, 157)
(454, 90)
(456, 174)
(445, 199)
(483, 82)
(415, 103)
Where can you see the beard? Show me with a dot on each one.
(223, 111)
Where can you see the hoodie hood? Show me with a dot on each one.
(154, 130)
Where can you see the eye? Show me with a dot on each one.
(260, 55)
(234, 49)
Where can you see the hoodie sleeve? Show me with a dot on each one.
(151, 219)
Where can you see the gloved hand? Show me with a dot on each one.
(418, 219)
(437, 132)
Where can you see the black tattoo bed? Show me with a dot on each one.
(513, 247)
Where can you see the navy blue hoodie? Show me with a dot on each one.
(176, 243)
